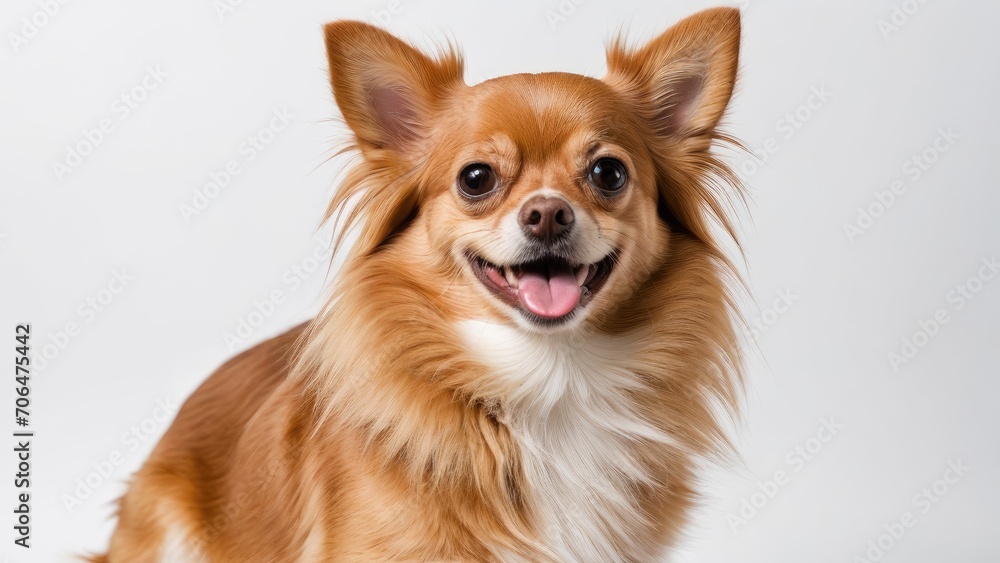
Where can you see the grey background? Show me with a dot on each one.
(824, 357)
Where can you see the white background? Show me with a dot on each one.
(854, 299)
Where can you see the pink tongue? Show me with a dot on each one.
(549, 296)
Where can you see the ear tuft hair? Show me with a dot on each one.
(681, 83)
(388, 92)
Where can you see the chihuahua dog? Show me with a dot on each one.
(530, 349)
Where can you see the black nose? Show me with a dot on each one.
(546, 217)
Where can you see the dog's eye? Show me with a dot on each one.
(477, 180)
(608, 175)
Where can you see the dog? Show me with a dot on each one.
(530, 349)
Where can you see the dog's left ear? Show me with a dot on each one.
(682, 80)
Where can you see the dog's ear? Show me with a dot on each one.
(385, 88)
(388, 93)
(682, 80)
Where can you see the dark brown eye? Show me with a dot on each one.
(477, 180)
(608, 175)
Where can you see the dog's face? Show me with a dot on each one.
(546, 197)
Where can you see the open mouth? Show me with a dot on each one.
(547, 290)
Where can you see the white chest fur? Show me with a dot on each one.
(569, 402)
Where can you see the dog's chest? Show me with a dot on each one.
(570, 408)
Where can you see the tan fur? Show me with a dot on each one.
(373, 432)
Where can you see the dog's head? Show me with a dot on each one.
(543, 196)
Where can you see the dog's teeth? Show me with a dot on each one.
(581, 274)
(511, 278)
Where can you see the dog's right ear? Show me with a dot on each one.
(385, 88)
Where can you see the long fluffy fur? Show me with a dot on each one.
(409, 421)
